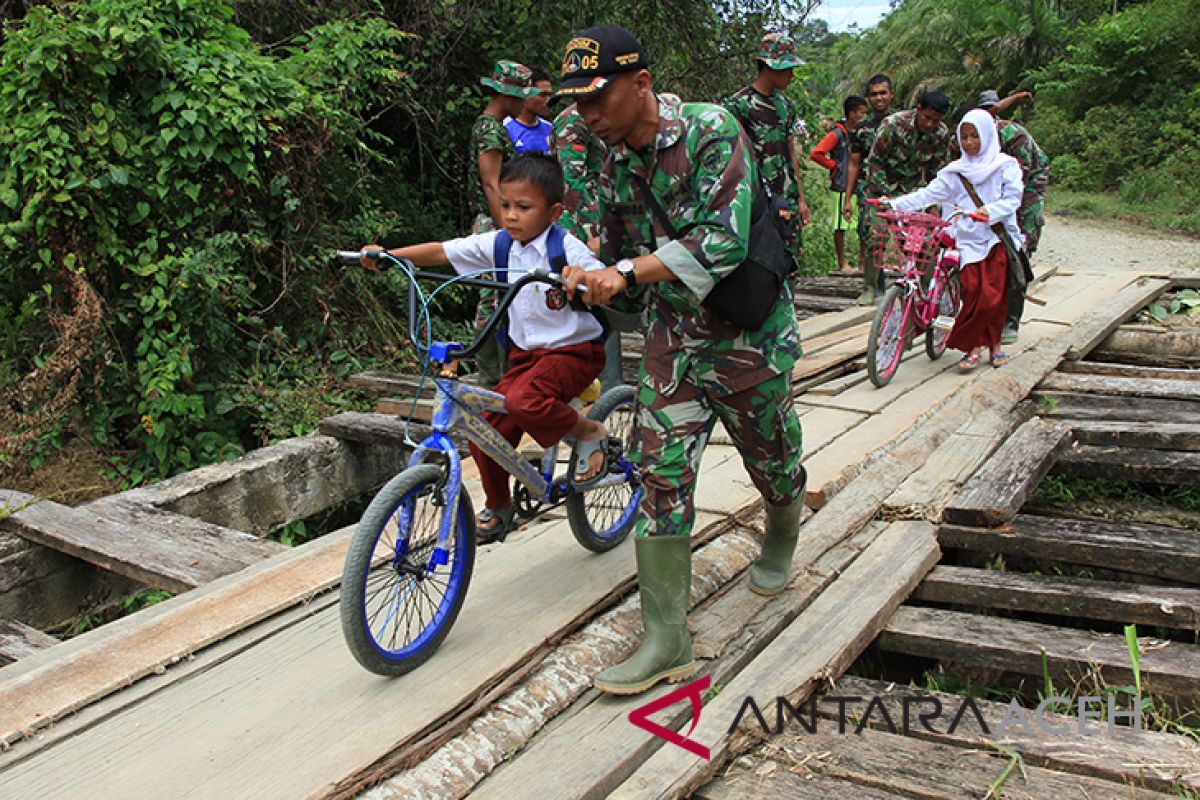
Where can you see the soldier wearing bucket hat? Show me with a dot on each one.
(508, 86)
(772, 122)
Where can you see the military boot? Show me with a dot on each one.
(870, 292)
(664, 581)
(769, 574)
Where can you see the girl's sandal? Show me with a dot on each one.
(999, 358)
(503, 518)
(969, 362)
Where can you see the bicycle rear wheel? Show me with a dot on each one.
(885, 342)
(601, 518)
(399, 598)
(948, 303)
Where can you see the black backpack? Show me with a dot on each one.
(841, 155)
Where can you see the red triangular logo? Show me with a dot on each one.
(693, 691)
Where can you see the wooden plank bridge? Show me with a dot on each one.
(241, 686)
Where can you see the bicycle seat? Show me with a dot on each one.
(591, 394)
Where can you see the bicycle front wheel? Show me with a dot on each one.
(948, 305)
(400, 596)
(885, 343)
(601, 518)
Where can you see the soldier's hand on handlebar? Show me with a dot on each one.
(602, 284)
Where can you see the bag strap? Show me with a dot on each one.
(556, 251)
(500, 252)
(656, 208)
(997, 228)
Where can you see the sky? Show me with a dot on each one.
(840, 14)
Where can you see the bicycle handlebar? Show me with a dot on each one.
(352, 257)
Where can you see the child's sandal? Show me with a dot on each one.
(969, 362)
(999, 358)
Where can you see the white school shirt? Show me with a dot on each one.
(532, 324)
(1001, 194)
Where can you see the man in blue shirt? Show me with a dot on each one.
(528, 131)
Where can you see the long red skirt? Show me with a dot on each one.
(981, 319)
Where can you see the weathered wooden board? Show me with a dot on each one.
(18, 641)
(1174, 467)
(834, 285)
(996, 492)
(405, 408)
(765, 777)
(1170, 668)
(1164, 606)
(1152, 342)
(1152, 550)
(812, 302)
(821, 643)
(1094, 406)
(930, 770)
(1129, 371)
(1104, 319)
(1120, 386)
(141, 542)
(1147, 434)
(1138, 758)
(371, 428)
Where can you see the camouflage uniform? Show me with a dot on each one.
(487, 133)
(581, 155)
(903, 159)
(1017, 142)
(696, 367)
(864, 137)
(771, 122)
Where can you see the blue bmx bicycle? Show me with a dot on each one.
(410, 560)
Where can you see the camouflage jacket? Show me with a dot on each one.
(581, 155)
(1016, 141)
(770, 122)
(488, 133)
(863, 138)
(902, 158)
(701, 170)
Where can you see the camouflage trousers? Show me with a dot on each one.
(673, 431)
(1030, 221)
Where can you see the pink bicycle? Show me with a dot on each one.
(905, 244)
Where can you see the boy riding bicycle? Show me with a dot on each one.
(556, 351)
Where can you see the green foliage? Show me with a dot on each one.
(153, 149)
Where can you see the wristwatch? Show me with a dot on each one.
(627, 270)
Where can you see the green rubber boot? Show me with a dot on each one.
(870, 292)
(664, 581)
(769, 574)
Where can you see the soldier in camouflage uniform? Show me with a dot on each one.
(770, 119)
(879, 97)
(509, 84)
(1016, 141)
(697, 368)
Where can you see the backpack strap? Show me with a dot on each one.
(556, 251)
(500, 253)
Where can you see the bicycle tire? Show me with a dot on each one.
(601, 518)
(882, 362)
(403, 583)
(948, 305)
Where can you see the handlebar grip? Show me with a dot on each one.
(348, 257)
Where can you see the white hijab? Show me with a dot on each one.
(977, 169)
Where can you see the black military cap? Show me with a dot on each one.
(595, 55)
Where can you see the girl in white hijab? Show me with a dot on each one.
(996, 178)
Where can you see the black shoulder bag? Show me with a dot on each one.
(1019, 271)
(745, 297)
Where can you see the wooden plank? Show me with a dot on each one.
(1146, 434)
(1141, 604)
(18, 641)
(370, 428)
(1175, 467)
(404, 408)
(822, 642)
(1121, 386)
(996, 492)
(933, 770)
(1094, 406)
(1153, 343)
(1186, 279)
(1129, 371)
(831, 285)
(1153, 550)
(771, 778)
(1170, 668)
(1138, 758)
(400, 383)
(1104, 319)
(140, 542)
(811, 302)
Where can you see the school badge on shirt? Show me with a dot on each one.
(556, 298)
